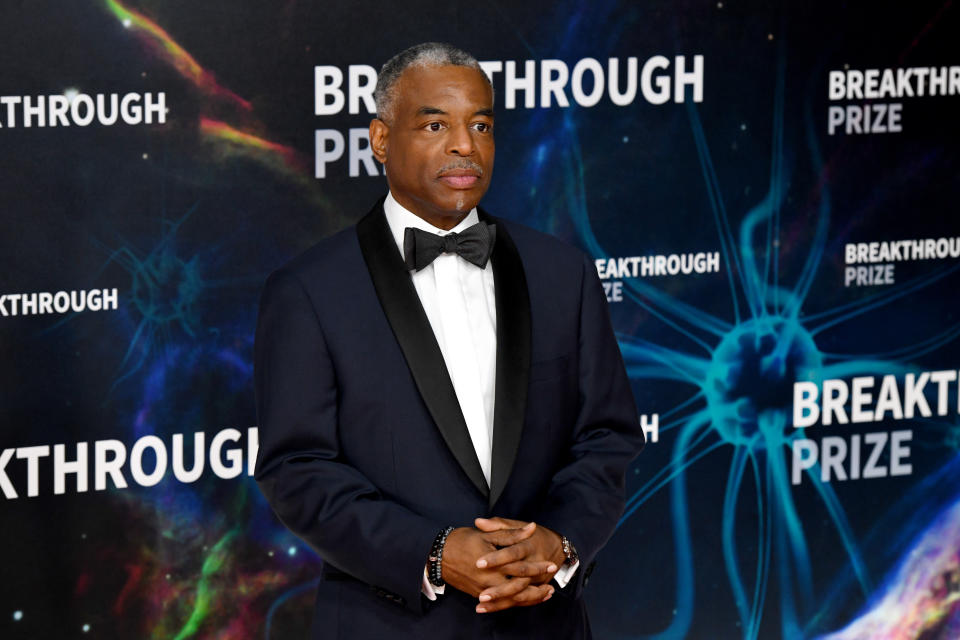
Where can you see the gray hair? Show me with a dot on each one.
(426, 54)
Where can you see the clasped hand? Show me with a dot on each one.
(503, 563)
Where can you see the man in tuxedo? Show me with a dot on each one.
(444, 413)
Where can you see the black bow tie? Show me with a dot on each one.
(473, 244)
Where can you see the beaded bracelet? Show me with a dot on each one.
(435, 565)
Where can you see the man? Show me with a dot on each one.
(435, 365)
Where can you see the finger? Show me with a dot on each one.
(528, 569)
(508, 554)
(528, 597)
(506, 589)
(497, 524)
(534, 594)
(509, 537)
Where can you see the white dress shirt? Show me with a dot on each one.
(459, 300)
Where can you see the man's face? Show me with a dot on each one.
(438, 149)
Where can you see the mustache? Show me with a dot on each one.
(463, 163)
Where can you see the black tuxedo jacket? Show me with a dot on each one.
(364, 452)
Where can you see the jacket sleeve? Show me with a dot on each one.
(585, 498)
(300, 468)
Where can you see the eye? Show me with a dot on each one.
(434, 126)
(483, 127)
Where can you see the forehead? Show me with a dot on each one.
(439, 86)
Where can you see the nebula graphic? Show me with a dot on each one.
(242, 143)
(165, 46)
(207, 559)
(922, 597)
(197, 571)
(230, 139)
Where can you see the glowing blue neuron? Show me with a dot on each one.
(292, 551)
(86, 628)
(18, 615)
(166, 287)
(751, 376)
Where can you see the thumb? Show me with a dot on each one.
(490, 524)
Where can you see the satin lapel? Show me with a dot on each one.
(513, 357)
(410, 325)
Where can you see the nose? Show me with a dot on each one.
(460, 142)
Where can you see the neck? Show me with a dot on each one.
(445, 220)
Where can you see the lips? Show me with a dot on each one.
(460, 182)
(460, 178)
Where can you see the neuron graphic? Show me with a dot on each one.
(164, 292)
(742, 370)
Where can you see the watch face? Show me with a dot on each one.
(568, 550)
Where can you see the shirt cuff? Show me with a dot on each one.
(562, 577)
(428, 589)
(564, 574)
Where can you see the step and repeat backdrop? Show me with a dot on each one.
(769, 190)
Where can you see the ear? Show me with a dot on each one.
(379, 132)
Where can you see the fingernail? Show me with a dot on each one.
(551, 568)
(485, 598)
(481, 564)
(530, 525)
(481, 610)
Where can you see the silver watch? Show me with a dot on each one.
(569, 551)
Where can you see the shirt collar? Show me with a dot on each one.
(400, 218)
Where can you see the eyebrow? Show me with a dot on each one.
(434, 111)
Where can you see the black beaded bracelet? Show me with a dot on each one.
(435, 564)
